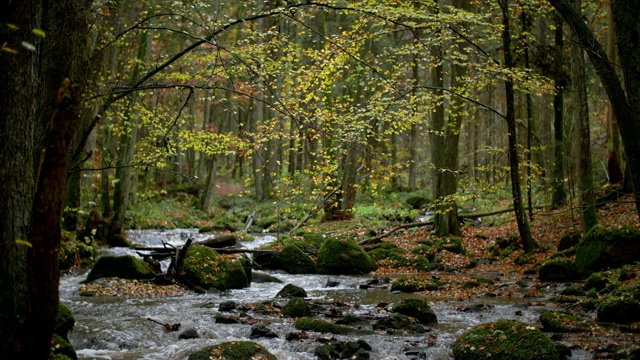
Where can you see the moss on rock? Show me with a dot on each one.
(562, 322)
(61, 348)
(293, 260)
(64, 321)
(602, 248)
(417, 309)
(415, 283)
(205, 268)
(389, 254)
(504, 340)
(558, 270)
(296, 307)
(124, 267)
(343, 256)
(317, 325)
(233, 350)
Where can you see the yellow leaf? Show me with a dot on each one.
(39, 32)
(24, 242)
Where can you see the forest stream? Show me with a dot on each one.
(118, 327)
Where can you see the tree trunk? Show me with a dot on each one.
(40, 125)
(126, 147)
(626, 106)
(528, 243)
(614, 171)
(437, 118)
(559, 193)
(586, 197)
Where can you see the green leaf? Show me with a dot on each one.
(39, 32)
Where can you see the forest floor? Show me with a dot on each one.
(606, 341)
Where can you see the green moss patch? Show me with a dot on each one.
(233, 350)
(415, 283)
(562, 322)
(601, 249)
(504, 340)
(205, 268)
(558, 270)
(124, 267)
(317, 325)
(417, 309)
(296, 307)
(343, 256)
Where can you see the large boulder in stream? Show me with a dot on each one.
(343, 256)
(290, 259)
(504, 340)
(233, 350)
(601, 249)
(204, 268)
(124, 267)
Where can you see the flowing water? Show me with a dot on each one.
(117, 327)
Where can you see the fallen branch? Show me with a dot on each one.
(376, 239)
(167, 327)
(495, 212)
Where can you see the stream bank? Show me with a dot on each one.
(117, 327)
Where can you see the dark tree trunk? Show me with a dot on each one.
(559, 195)
(40, 128)
(586, 195)
(528, 243)
(626, 107)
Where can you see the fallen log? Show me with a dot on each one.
(377, 239)
(219, 241)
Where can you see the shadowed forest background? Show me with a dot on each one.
(273, 115)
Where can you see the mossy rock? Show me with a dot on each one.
(562, 322)
(321, 326)
(233, 350)
(124, 267)
(64, 321)
(504, 340)
(291, 291)
(397, 323)
(415, 283)
(569, 239)
(203, 267)
(389, 253)
(61, 348)
(293, 260)
(418, 202)
(597, 281)
(505, 242)
(425, 250)
(619, 310)
(311, 241)
(242, 236)
(118, 240)
(417, 309)
(601, 249)
(343, 256)
(335, 349)
(452, 244)
(296, 307)
(558, 270)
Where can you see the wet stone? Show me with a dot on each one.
(189, 334)
(227, 306)
(261, 330)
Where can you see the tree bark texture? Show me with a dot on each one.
(40, 127)
(626, 107)
(528, 243)
(559, 191)
(582, 147)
